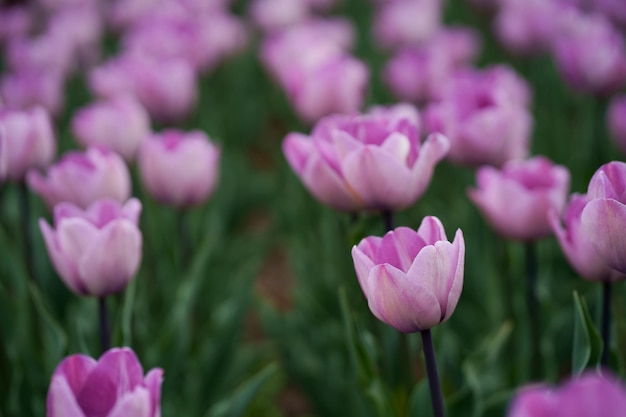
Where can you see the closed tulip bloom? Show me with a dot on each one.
(412, 280)
(604, 215)
(27, 141)
(372, 161)
(616, 121)
(179, 169)
(119, 124)
(515, 200)
(590, 395)
(81, 178)
(97, 251)
(576, 244)
(112, 386)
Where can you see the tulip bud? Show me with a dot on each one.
(412, 280)
(82, 178)
(97, 251)
(113, 386)
(516, 199)
(179, 169)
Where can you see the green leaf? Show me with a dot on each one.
(55, 337)
(236, 404)
(587, 341)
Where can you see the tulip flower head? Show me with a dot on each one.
(369, 162)
(590, 395)
(412, 279)
(97, 251)
(177, 168)
(113, 386)
(82, 178)
(516, 200)
(604, 216)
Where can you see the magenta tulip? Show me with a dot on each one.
(27, 141)
(604, 215)
(97, 251)
(576, 244)
(412, 280)
(113, 386)
(177, 168)
(120, 124)
(369, 162)
(616, 121)
(81, 178)
(590, 395)
(516, 200)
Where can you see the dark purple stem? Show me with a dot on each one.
(606, 322)
(105, 335)
(436, 396)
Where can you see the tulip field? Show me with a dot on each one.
(312, 208)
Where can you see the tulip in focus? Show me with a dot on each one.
(616, 121)
(81, 178)
(179, 169)
(112, 386)
(372, 161)
(516, 200)
(26, 142)
(119, 124)
(576, 244)
(604, 216)
(97, 251)
(412, 280)
(590, 395)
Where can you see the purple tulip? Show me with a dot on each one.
(120, 124)
(612, 9)
(605, 214)
(485, 114)
(30, 88)
(369, 162)
(81, 178)
(276, 14)
(48, 52)
(27, 141)
(15, 21)
(616, 121)
(576, 244)
(401, 23)
(113, 386)
(412, 280)
(590, 395)
(96, 251)
(516, 200)
(177, 168)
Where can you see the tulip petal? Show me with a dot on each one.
(134, 404)
(362, 265)
(535, 401)
(117, 373)
(593, 395)
(61, 401)
(153, 382)
(399, 247)
(75, 369)
(602, 221)
(326, 185)
(112, 259)
(431, 230)
(400, 301)
(455, 283)
(434, 149)
(65, 267)
(297, 149)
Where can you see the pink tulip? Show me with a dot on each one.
(576, 244)
(275, 14)
(401, 23)
(81, 178)
(113, 386)
(412, 280)
(177, 168)
(516, 200)
(30, 88)
(120, 124)
(605, 214)
(616, 121)
(15, 21)
(369, 162)
(590, 395)
(27, 141)
(96, 251)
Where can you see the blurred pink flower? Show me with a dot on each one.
(604, 215)
(27, 142)
(81, 178)
(45, 53)
(401, 23)
(119, 124)
(412, 280)
(275, 14)
(15, 21)
(368, 162)
(590, 395)
(113, 386)
(516, 200)
(616, 121)
(26, 89)
(177, 168)
(96, 251)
